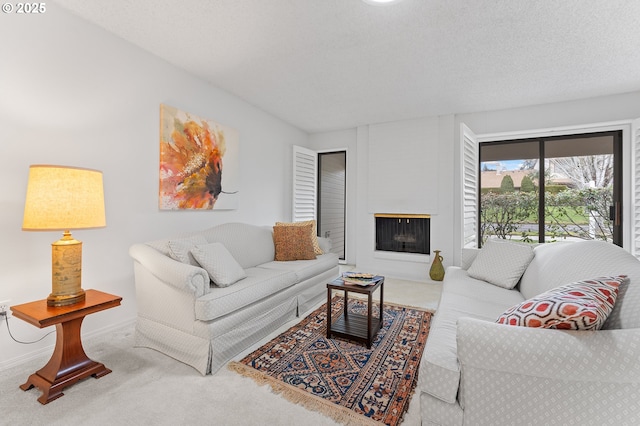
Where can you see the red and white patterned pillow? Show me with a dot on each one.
(582, 305)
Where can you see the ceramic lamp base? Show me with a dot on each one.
(66, 272)
(58, 300)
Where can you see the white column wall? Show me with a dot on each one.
(434, 138)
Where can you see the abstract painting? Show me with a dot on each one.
(198, 163)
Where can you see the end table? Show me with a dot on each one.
(69, 363)
(361, 328)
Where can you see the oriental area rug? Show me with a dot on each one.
(343, 379)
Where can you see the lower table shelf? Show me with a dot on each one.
(354, 327)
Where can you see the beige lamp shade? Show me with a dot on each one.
(61, 198)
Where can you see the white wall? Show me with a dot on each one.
(73, 94)
(403, 167)
(426, 143)
(624, 106)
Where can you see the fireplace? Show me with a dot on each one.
(403, 233)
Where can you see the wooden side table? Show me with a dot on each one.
(361, 328)
(69, 363)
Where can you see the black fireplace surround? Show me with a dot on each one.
(403, 233)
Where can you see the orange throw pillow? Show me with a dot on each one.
(293, 242)
(314, 232)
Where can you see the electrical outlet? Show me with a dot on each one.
(4, 306)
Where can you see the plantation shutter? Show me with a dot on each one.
(305, 184)
(635, 143)
(469, 188)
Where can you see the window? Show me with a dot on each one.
(552, 188)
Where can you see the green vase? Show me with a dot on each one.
(437, 270)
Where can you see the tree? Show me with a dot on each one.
(580, 213)
(507, 184)
(585, 169)
(527, 185)
(529, 164)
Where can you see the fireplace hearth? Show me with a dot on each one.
(403, 233)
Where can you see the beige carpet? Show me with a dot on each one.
(149, 388)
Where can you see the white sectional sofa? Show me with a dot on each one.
(475, 371)
(183, 314)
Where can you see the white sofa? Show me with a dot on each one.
(477, 372)
(183, 314)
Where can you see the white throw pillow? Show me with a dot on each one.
(180, 249)
(501, 263)
(223, 269)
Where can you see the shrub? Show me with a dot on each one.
(527, 185)
(576, 213)
(507, 184)
(502, 214)
(490, 190)
(554, 189)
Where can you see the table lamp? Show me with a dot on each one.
(61, 198)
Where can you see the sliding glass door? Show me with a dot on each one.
(551, 189)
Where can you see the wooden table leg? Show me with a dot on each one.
(67, 365)
(329, 313)
(381, 301)
(346, 303)
(369, 319)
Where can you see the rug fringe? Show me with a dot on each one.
(300, 397)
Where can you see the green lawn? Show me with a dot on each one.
(569, 216)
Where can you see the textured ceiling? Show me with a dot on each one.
(333, 64)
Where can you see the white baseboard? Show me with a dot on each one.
(48, 350)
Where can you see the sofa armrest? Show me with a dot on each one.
(577, 373)
(184, 277)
